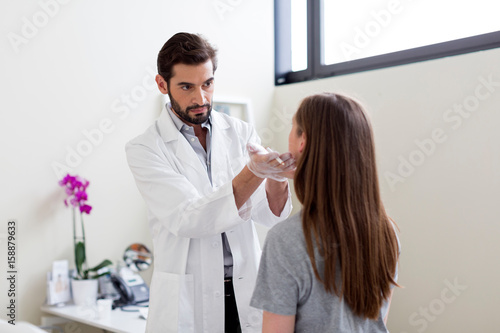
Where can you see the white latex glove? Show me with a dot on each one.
(266, 163)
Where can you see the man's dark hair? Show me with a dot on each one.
(184, 48)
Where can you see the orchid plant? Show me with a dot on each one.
(76, 191)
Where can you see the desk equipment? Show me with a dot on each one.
(129, 306)
(131, 288)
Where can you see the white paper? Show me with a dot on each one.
(58, 286)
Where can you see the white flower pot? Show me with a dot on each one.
(84, 291)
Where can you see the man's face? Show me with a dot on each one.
(190, 90)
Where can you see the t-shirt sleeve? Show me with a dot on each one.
(276, 289)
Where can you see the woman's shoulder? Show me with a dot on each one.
(286, 243)
(288, 230)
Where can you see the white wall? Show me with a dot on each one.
(87, 62)
(83, 63)
(446, 204)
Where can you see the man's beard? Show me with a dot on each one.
(184, 114)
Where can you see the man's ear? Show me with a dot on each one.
(162, 84)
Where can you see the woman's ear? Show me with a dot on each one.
(302, 142)
(162, 84)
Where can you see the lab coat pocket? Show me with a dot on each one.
(171, 307)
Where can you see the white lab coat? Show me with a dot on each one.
(187, 216)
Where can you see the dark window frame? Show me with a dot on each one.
(315, 70)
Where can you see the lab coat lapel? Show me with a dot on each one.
(191, 164)
(221, 144)
(190, 161)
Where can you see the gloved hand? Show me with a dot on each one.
(266, 163)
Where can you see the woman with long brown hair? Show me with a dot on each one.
(331, 267)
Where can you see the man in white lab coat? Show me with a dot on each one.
(204, 189)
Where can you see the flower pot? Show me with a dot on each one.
(84, 291)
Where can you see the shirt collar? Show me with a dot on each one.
(181, 125)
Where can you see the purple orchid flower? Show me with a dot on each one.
(75, 187)
(85, 209)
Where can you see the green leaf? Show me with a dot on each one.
(79, 256)
(104, 263)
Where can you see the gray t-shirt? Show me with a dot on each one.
(286, 285)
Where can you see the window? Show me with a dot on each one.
(299, 33)
(321, 38)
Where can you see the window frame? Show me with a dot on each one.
(315, 70)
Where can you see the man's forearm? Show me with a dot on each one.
(244, 185)
(277, 195)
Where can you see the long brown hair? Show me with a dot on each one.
(342, 215)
